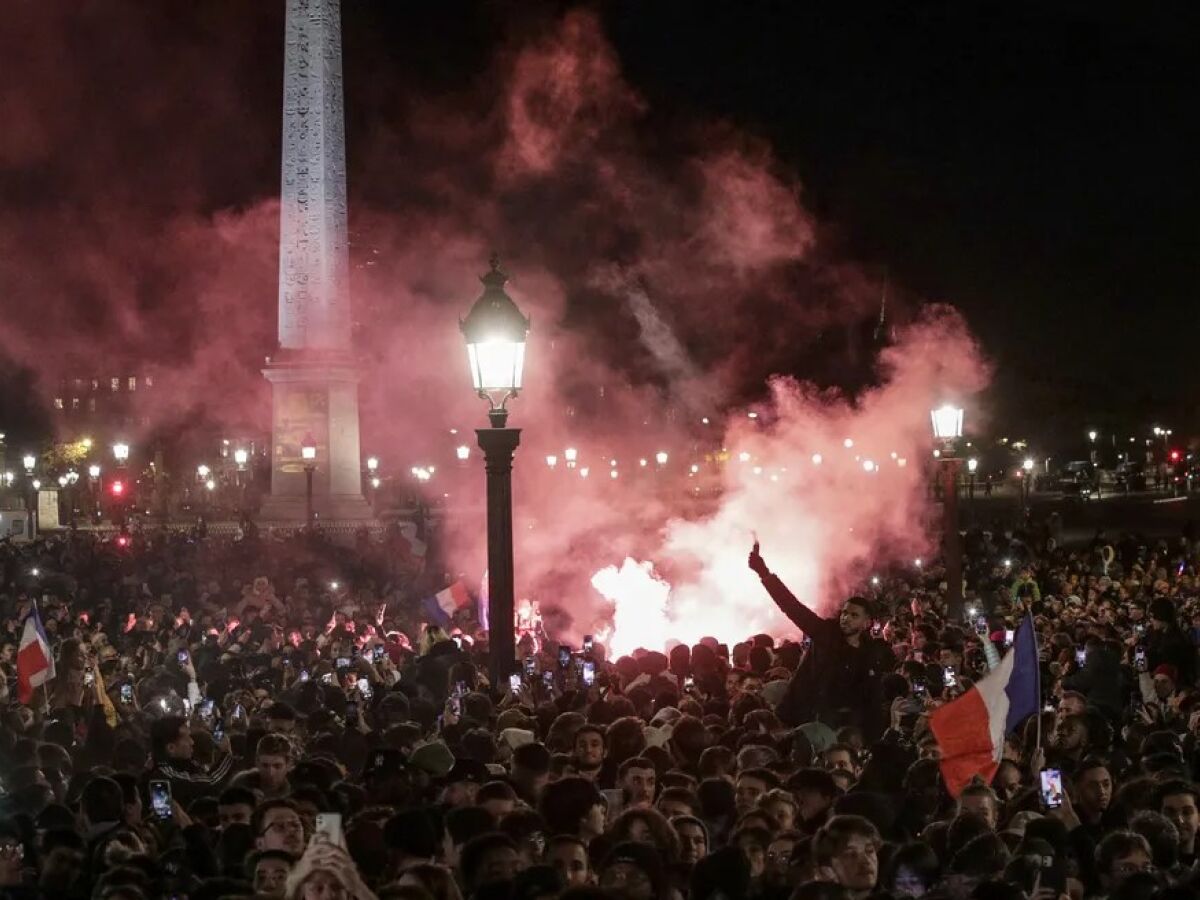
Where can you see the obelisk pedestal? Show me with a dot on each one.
(314, 375)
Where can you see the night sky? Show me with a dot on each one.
(1033, 164)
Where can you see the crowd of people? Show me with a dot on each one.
(227, 719)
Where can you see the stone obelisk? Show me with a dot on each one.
(314, 375)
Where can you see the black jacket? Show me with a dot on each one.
(835, 682)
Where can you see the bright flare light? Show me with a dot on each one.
(639, 600)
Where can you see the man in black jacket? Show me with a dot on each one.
(838, 681)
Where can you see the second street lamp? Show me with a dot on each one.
(495, 333)
(308, 453)
(947, 429)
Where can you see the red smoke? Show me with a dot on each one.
(668, 269)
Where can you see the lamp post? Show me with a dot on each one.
(121, 453)
(495, 333)
(947, 429)
(308, 453)
(972, 468)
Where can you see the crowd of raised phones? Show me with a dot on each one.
(271, 718)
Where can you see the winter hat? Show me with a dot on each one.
(433, 757)
(1162, 610)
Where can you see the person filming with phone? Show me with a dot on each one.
(172, 745)
(838, 681)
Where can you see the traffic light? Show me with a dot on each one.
(1176, 456)
(117, 488)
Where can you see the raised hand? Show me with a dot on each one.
(756, 563)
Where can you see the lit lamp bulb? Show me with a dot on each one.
(551, 460)
(203, 470)
(972, 465)
(241, 456)
(570, 455)
(695, 468)
(743, 456)
(120, 451)
(816, 459)
(643, 462)
(661, 457)
(93, 471)
(463, 453)
(37, 484)
(372, 463)
(1027, 465)
(210, 484)
(848, 443)
(613, 473)
(868, 465)
(375, 483)
(29, 461)
(583, 473)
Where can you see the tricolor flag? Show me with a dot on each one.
(35, 662)
(441, 607)
(970, 731)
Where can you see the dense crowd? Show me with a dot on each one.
(272, 717)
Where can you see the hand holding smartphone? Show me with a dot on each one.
(160, 800)
(1051, 788)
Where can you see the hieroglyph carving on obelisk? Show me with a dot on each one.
(314, 309)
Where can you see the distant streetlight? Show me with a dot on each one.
(552, 460)
(463, 453)
(29, 461)
(661, 457)
(1028, 464)
(1092, 435)
(308, 453)
(202, 472)
(372, 464)
(93, 471)
(947, 421)
(972, 465)
(120, 452)
(570, 455)
(241, 457)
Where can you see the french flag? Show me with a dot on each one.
(441, 607)
(970, 731)
(35, 662)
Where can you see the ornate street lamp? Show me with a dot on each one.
(947, 421)
(29, 461)
(121, 452)
(495, 333)
(240, 458)
(308, 453)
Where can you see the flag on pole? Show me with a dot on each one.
(484, 605)
(35, 662)
(970, 731)
(441, 607)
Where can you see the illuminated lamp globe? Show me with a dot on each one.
(372, 463)
(972, 464)
(93, 471)
(463, 452)
(947, 422)
(495, 332)
(120, 451)
(240, 456)
(1027, 465)
(308, 448)
(661, 457)
(29, 461)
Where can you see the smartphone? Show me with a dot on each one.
(589, 673)
(948, 677)
(364, 688)
(1139, 629)
(1080, 657)
(160, 799)
(548, 679)
(330, 825)
(1139, 659)
(514, 682)
(981, 626)
(564, 657)
(304, 674)
(327, 678)
(127, 693)
(456, 706)
(89, 678)
(588, 643)
(530, 665)
(460, 688)
(1051, 788)
(1009, 634)
(205, 709)
(239, 713)
(343, 662)
(919, 687)
(378, 652)
(182, 657)
(218, 733)
(351, 711)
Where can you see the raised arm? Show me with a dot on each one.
(802, 617)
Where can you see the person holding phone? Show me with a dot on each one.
(842, 672)
(172, 747)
